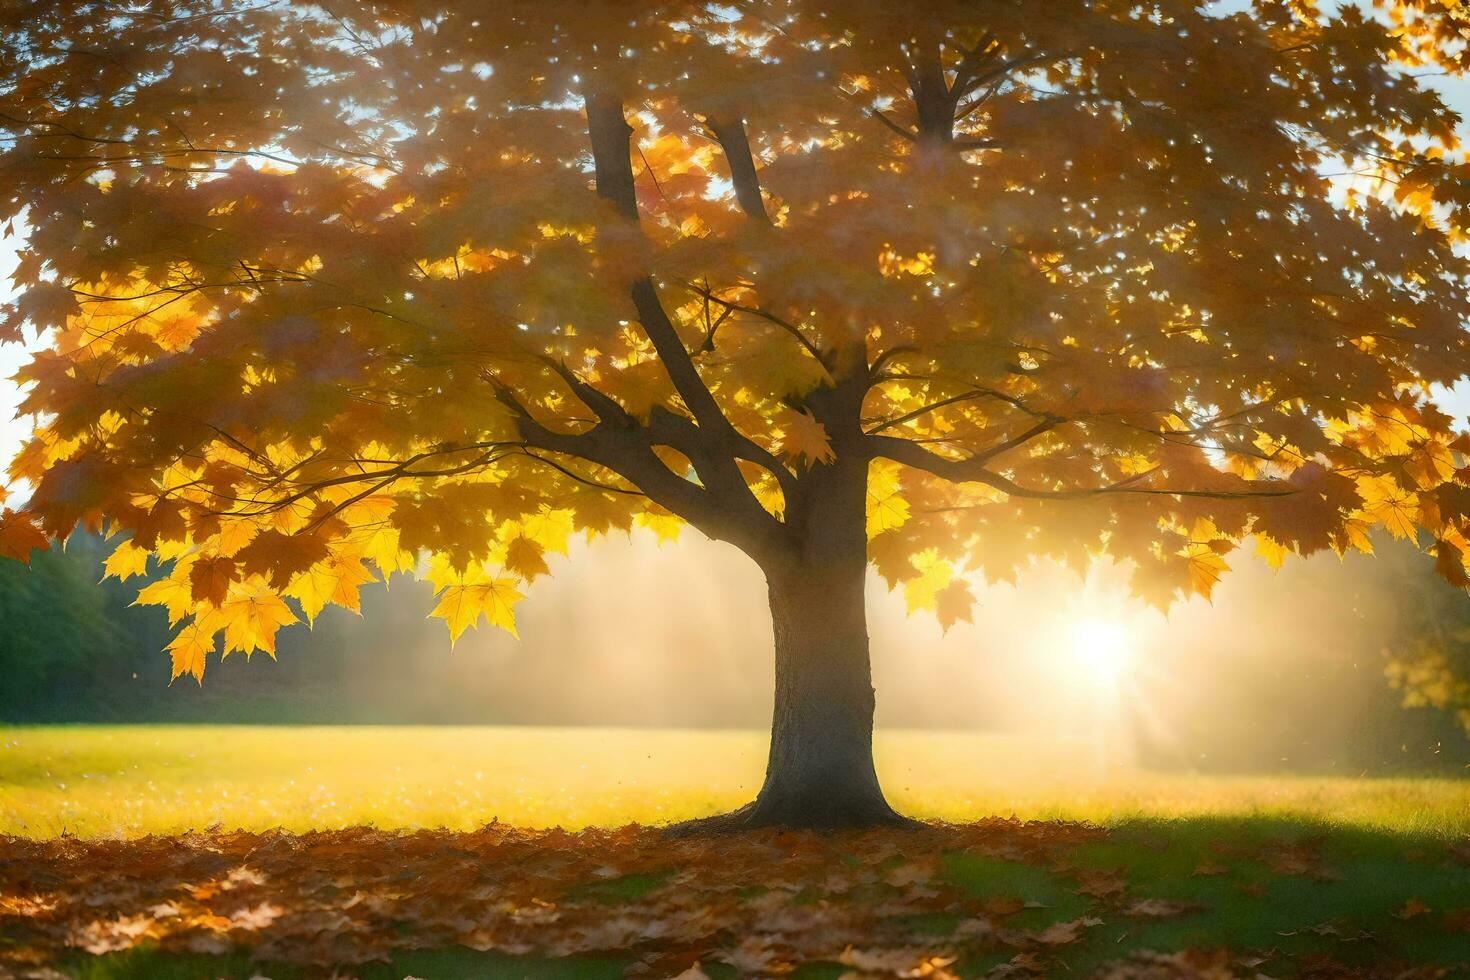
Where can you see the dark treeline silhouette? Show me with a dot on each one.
(73, 648)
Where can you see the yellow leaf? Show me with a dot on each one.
(335, 578)
(1272, 551)
(441, 573)
(250, 617)
(1387, 503)
(934, 574)
(525, 558)
(954, 603)
(886, 508)
(19, 537)
(189, 650)
(886, 513)
(234, 534)
(460, 606)
(664, 526)
(126, 560)
(769, 495)
(551, 529)
(1353, 536)
(380, 546)
(175, 593)
(1205, 568)
(803, 435)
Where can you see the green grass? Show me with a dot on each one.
(136, 780)
(1210, 844)
(1371, 877)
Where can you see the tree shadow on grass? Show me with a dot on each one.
(1280, 895)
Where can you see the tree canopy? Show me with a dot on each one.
(331, 287)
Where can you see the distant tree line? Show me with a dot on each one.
(74, 649)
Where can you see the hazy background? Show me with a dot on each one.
(1285, 670)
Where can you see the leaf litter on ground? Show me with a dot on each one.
(998, 898)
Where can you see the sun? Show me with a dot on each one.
(1102, 648)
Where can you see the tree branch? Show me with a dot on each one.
(612, 165)
(610, 134)
(714, 445)
(972, 470)
(969, 65)
(627, 491)
(618, 443)
(769, 317)
(605, 408)
(964, 396)
(736, 144)
(1000, 71)
(882, 118)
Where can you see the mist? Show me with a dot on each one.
(1285, 669)
(1284, 665)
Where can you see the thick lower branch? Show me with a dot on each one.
(628, 452)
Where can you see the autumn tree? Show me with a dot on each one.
(336, 290)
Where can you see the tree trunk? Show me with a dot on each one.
(820, 769)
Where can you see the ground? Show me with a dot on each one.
(1148, 875)
(127, 781)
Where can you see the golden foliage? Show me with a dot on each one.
(1079, 285)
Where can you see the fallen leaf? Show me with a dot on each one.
(1412, 909)
(1064, 933)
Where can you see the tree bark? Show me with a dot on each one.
(730, 132)
(820, 769)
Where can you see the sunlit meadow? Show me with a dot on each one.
(130, 781)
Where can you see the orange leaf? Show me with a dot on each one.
(210, 579)
(19, 536)
(281, 556)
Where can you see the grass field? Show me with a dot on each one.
(136, 780)
(1189, 875)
